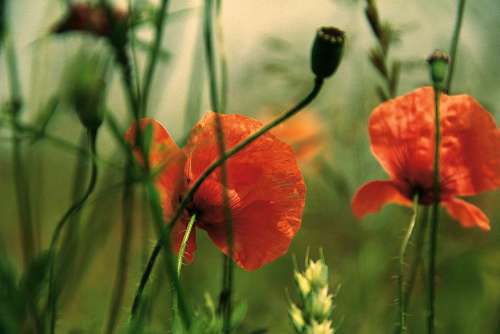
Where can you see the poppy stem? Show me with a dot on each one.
(424, 219)
(52, 297)
(218, 98)
(434, 218)
(184, 243)
(163, 240)
(20, 179)
(161, 15)
(454, 44)
(401, 283)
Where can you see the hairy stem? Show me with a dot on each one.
(401, 282)
(434, 219)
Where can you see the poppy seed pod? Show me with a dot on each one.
(438, 62)
(327, 51)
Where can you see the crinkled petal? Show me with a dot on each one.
(263, 177)
(467, 214)
(372, 196)
(470, 146)
(261, 233)
(402, 136)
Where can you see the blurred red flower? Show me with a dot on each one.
(265, 188)
(402, 140)
(304, 132)
(91, 19)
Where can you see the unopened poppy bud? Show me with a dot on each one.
(438, 62)
(327, 51)
(85, 84)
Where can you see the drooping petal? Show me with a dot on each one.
(165, 155)
(467, 214)
(177, 234)
(372, 196)
(261, 233)
(265, 179)
(470, 146)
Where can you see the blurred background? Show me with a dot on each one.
(267, 46)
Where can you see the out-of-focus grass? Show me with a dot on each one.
(268, 65)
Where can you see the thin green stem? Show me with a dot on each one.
(434, 218)
(163, 241)
(401, 281)
(75, 207)
(184, 243)
(153, 56)
(417, 259)
(217, 100)
(454, 44)
(20, 178)
(122, 265)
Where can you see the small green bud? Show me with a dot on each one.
(319, 304)
(296, 318)
(85, 84)
(302, 284)
(320, 328)
(327, 51)
(317, 274)
(438, 62)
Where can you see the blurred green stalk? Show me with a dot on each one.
(20, 176)
(454, 44)
(212, 53)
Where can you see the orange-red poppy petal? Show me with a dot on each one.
(262, 177)
(470, 146)
(467, 214)
(261, 233)
(402, 135)
(164, 154)
(372, 196)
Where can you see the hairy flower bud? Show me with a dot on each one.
(320, 328)
(327, 51)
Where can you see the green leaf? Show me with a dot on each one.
(33, 280)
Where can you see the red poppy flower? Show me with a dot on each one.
(402, 139)
(265, 187)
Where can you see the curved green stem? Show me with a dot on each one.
(184, 243)
(52, 299)
(417, 259)
(434, 218)
(454, 44)
(401, 282)
(163, 241)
